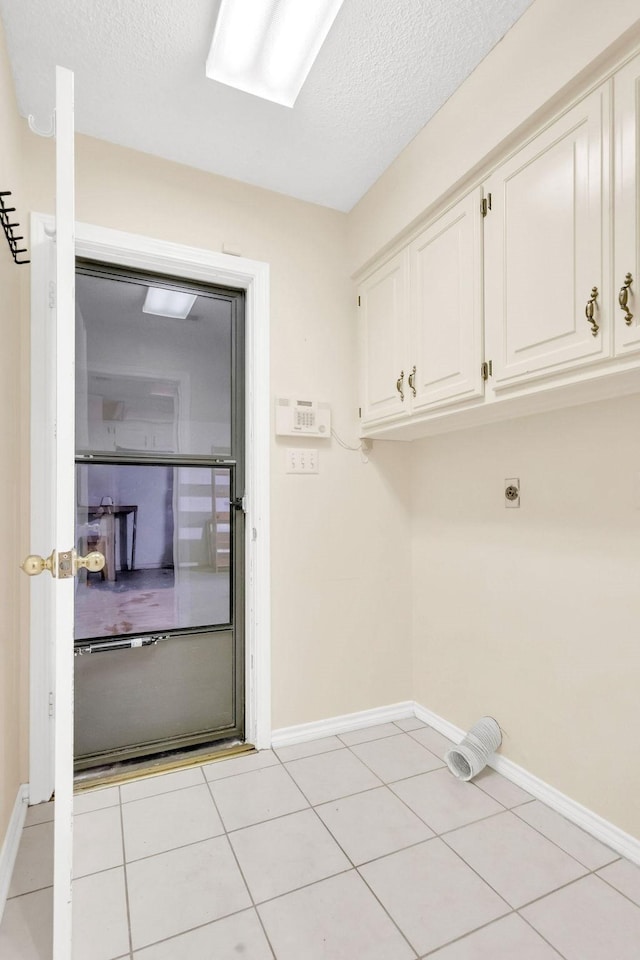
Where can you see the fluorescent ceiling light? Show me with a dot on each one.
(168, 303)
(267, 47)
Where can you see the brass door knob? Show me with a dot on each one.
(94, 562)
(63, 566)
(33, 565)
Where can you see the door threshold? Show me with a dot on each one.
(126, 770)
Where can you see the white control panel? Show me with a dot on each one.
(302, 418)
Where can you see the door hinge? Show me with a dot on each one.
(51, 704)
(52, 294)
(359, 413)
(485, 205)
(358, 301)
(487, 369)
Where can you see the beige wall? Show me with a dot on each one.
(340, 587)
(529, 615)
(544, 51)
(533, 615)
(12, 283)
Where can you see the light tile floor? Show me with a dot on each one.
(357, 847)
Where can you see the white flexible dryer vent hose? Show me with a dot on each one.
(471, 756)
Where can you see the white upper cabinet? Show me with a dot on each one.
(383, 323)
(446, 337)
(421, 320)
(542, 293)
(626, 274)
(546, 243)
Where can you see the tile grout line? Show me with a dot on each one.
(244, 879)
(439, 837)
(469, 933)
(506, 809)
(616, 856)
(26, 893)
(353, 865)
(126, 876)
(541, 935)
(621, 892)
(570, 883)
(225, 916)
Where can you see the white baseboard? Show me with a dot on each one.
(623, 843)
(11, 842)
(603, 830)
(287, 736)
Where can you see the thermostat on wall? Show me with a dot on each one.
(302, 418)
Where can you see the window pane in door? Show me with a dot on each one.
(148, 383)
(166, 535)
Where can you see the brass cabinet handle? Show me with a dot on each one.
(589, 310)
(399, 385)
(623, 299)
(412, 381)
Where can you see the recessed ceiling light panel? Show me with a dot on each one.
(168, 303)
(267, 47)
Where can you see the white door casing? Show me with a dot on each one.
(51, 446)
(145, 253)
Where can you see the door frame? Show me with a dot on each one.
(252, 276)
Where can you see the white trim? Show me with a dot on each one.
(41, 656)
(11, 842)
(603, 830)
(252, 276)
(287, 736)
(61, 446)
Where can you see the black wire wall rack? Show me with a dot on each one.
(8, 227)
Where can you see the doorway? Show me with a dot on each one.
(160, 485)
(47, 631)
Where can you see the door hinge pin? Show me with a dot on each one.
(485, 204)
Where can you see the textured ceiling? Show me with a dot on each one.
(385, 69)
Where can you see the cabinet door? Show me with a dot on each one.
(626, 275)
(545, 242)
(383, 322)
(445, 270)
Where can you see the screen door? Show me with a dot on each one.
(159, 641)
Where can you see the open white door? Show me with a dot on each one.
(53, 519)
(64, 441)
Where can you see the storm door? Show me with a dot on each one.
(159, 640)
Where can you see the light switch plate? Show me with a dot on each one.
(301, 460)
